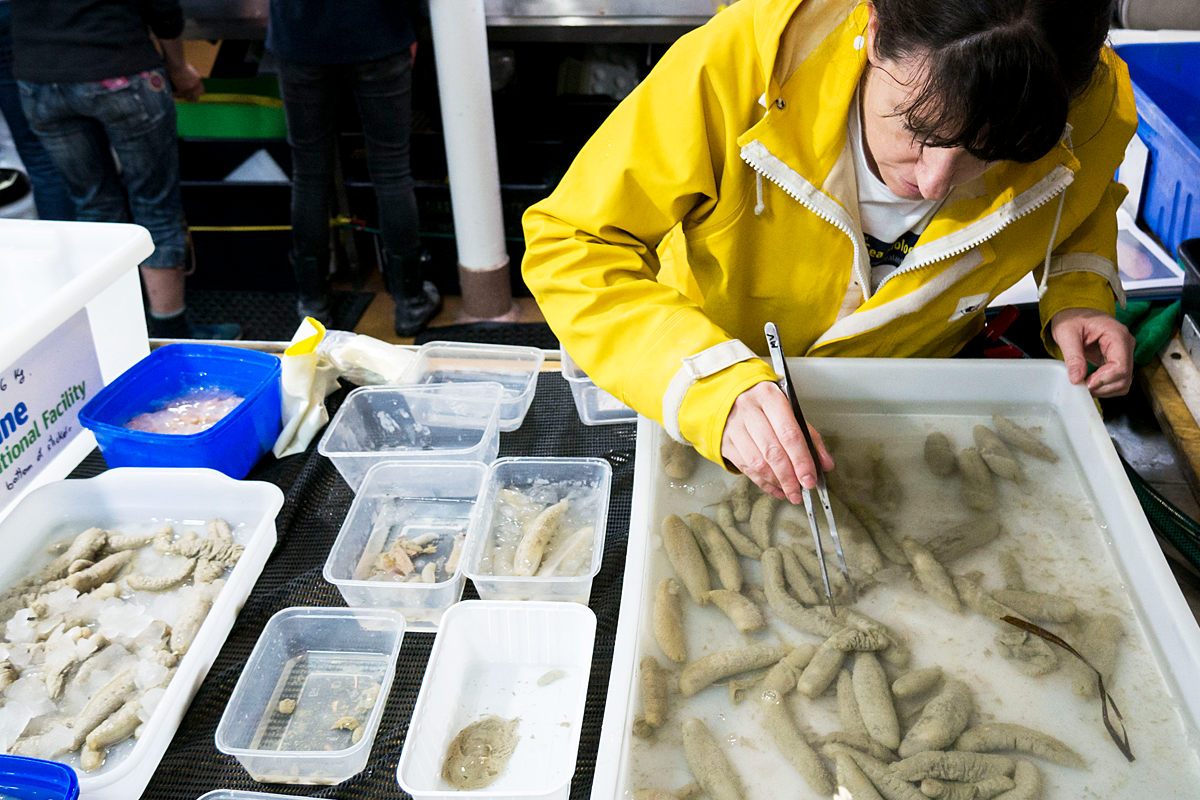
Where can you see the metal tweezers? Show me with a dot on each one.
(785, 383)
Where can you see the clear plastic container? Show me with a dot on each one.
(115, 500)
(448, 421)
(586, 481)
(488, 658)
(236, 794)
(329, 665)
(595, 406)
(410, 500)
(514, 368)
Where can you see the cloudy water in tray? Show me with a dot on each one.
(1051, 527)
(191, 412)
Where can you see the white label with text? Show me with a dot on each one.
(40, 397)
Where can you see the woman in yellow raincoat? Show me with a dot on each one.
(869, 176)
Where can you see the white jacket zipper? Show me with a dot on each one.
(802, 191)
(975, 234)
(797, 187)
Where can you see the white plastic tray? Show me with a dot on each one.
(50, 270)
(487, 659)
(1115, 549)
(134, 495)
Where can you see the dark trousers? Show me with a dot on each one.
(49, 191)
(383, 92)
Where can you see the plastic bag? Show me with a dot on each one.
(312, 364)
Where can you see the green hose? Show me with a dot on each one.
(1168, 521)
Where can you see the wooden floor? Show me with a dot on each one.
(377, 319)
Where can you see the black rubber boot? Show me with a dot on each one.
(312, 279)
(418, 300)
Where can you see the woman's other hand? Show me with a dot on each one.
(1088, 336)
(764, 441)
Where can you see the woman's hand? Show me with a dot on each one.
(1089, 336)
(764, 441)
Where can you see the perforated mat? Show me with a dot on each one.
(317, 500)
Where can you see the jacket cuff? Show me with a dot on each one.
(1074, 289)
(706, 407)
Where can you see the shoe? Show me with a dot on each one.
(320, 310)
(221, 330)
(414, 311)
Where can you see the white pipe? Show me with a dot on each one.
(465, 89)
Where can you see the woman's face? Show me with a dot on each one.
(909, 168)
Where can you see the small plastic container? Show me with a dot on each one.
(595, 406)
(446, 421)
(514, 368)
(233, 445)
(324, 660)
(35, 779)
(235, 794)
(588, 479)
(411, 500)
(487, 659)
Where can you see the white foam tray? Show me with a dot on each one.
(881, 386)
(135, 495)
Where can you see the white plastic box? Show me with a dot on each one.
(235, 794)
(300, 655)
(487, 659)
(130, 495)
(448, 421)
(52, 270)
(515, 368)
(419, 497)
(595, 406)
(1079, 518)
(592, 474)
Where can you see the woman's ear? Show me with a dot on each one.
(872, 30)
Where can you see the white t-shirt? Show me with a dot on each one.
(891, 225)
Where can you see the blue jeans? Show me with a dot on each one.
(81, 125)
(383, 92)
(49, 191)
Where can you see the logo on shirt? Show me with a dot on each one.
(890, 255)
(970, 305)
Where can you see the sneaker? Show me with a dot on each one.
(221, 330)
(414, 313)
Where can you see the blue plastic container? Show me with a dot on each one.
(34, 779)
(233, 445)
(1168, 104)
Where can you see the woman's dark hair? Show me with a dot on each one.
(1001, 74)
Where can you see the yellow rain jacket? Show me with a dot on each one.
(721, 195)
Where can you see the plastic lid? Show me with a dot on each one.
(37, 779)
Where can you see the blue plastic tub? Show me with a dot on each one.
(33, 779)
(233, 445)
(1168, 104)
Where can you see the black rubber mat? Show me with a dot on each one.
(316, 502)
(268, 316)
(529, 334)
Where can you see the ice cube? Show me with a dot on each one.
(165, 607)
(21, 627)
(31, 693)
(154, 635)
(149, 675)
(20, 656)
(60, 600)
(121, 621)
(150, 701)
(55, 741)
(13, 719)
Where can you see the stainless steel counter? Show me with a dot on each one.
(528, 20)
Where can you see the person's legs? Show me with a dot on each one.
(310, 102)
(383, 91)
(49, 191)
(79, 149)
